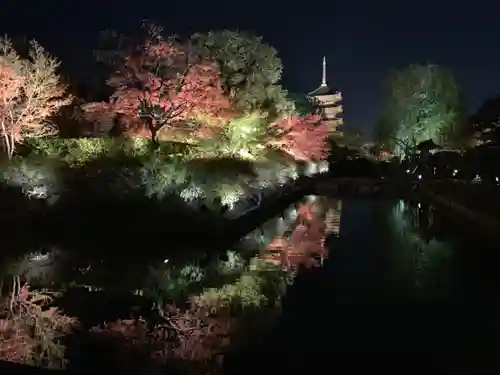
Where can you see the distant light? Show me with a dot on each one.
(280, 226)
(323, 166)
(407, 171)
(311, 169)
(419, 176)
(291, 213)
(38, 257)
(166, 260)
(419, 205)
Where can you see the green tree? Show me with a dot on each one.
(483, 126)
(423, 102)
(251, 69)
(242, 137)
(303, 105)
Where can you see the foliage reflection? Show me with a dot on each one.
(418, 261)
(304, 243)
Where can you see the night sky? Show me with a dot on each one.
(361, 39)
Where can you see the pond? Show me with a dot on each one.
(371, 284)
(406, 288)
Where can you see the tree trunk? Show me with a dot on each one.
(8, 140)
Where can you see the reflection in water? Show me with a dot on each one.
(304, 243)
(297, 238)
(382, 247)
(403, 235)
(390, 294)
(332, 218)
(418, 260)
(292, 239)
(42, 266)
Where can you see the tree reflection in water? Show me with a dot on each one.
(304, 243)
(419, 261)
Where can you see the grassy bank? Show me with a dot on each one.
(97, 195)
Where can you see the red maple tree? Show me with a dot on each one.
(303, 137)
(100, 115)
(159, 86)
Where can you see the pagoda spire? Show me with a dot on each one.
(323, 80)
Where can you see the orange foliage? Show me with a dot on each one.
(158, 87)
(101, 115)
(195, 336)
(30, 94)
(305, 244)
(10, 88)
(30, 332)
(303, 137)
(10, 83)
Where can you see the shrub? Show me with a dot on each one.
(30, 331)
(129, 164)
(168, 283)
(160, 177)
(184, 341)
(259, 286)
(35, 177)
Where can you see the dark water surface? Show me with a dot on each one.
(407, 288)
(392, 298)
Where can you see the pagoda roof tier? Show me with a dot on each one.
(322, 91)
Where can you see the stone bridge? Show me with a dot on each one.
(362, 187)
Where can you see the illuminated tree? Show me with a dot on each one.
(484, 125)
(250, 70)
(303, 104)
(162, 86)
(303, 137)
(30, 94)
(253, 137)
(101, 115)
(423, 102)
(242, 136)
